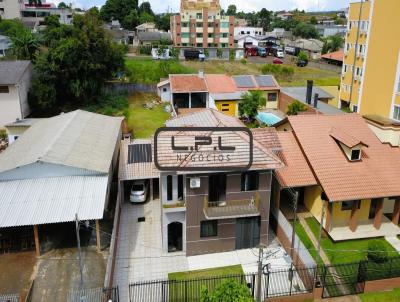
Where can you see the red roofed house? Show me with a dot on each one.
(337, 162)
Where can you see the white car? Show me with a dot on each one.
(139, 191)
(280, 54)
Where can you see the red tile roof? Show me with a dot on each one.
(187, 83)
(376, 175)
(220, 83)
(336, 55)
(296, 172)
(341, 136)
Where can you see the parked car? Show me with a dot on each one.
(277, 61)
(191, 54)
(139, 191)
(280, 53)
(302, 63)
(261, 52)
(251, 50)
(290, 50)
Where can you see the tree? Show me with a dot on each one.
(228, 291)
(163, 21)
(131, 21)
(145, 7)
(146, 17)
(295, 107)
(78, 60)
(302, 56)
(63, 5)
(264, 17)
(313, 20)
(306, 31)
(117, 9)
(25, 45)
(231, 11)
(251, 101)
(11, 28)
(35, 2)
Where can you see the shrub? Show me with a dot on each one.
(110, 104)
(377, 251)
(302, 56)
(231, 55)
(219, 53)
(145, 50)
(277, 70)
(287, 71)
(296, 107)
(206, 52)
(174, 53)
(243, 61)
(228, 291)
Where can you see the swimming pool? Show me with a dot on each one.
(268, 118)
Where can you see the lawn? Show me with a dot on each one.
(336, 251)
(187, 289)
(142, 121)
(149, 71)
(301, 233)
(384, 296)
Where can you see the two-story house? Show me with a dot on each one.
(207, 211)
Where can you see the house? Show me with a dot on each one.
(283, 15)
(197, 215)
(248, 30)
(15, 81)
(17, 128)
(320, 105)
(146, 27)
(312, 47)
(189, 92)
(342, 173)
(331, 30)
(60, 169)
(5, 45)
(335, 57)
(153, 38)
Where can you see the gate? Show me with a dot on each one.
(9, 298)
(94, 295)
(343, 279)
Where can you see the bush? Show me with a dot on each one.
(231, 55)
(243, 61)
(145, 50)
(277, 70)
(377, 251)
(296, 107)
(110, 104)
(219, 53)
(302, 56)
(228, 291)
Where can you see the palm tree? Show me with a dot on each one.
(251, 101)
(25, 45)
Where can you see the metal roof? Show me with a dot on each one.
(226, 96)
(77, 139)
(11, 72)
(52, 200)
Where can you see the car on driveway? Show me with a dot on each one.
(277, 61)
(139, 191)
(302, 63)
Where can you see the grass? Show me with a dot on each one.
(149, 71)
(143, 121)
(336, 251)
(384, 296)
(186, 290)
(301, 233)
(205, 273)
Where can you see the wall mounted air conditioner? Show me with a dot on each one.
(195, 183)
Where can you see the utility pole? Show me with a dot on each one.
(259, 272)
(79, 249)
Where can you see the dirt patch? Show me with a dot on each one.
(16, 272)
(58, 272)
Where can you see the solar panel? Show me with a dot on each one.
(265, 81)
(139, 153)
(244, 81)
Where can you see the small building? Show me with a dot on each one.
(153, 38)
(146, 27)
(15, 81)
(60, 168)
(284, 15)
(17, 128)
(331, 30)
(312, 47)
(247, 30)
(5, 45)
(335, 58)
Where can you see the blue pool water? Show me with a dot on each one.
(268, 118)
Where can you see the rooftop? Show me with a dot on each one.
(187, 83)
(11, 72)
(336, 55)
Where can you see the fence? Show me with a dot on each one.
(273, 284)
(121, 87)
(9, 298)
(94, 295)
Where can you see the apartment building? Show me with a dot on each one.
(200, 24)
(10, 9)
(370, 82)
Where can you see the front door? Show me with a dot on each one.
(247, 232)
(372, 209)
(175, 236)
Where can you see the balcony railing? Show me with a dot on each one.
(232, 208)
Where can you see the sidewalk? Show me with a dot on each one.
(394, 241)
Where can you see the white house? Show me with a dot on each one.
(15, 81)
(246, 30)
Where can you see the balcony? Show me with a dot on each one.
(232, 208)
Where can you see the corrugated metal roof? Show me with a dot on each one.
(78, 139)
(52, 200)
(226, 96)
(11, 72)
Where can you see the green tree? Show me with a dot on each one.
(146, 17)
(117, 9)
(163, 21)
(231, 11)
(25, 45)
(78, 60)
(251, 101)
(145, 7)
(228, 291)
(264, 17)
(131, 20)
(11, 28)
(306, 31)
(313, 20)
(332, 43)
(302, 56)
(35, 2)
(63, 5)
(295, 107)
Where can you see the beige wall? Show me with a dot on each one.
(10, 108)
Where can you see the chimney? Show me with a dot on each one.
(316, 100)
(201, 73)
(309, 91)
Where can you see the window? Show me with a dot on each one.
(355, 154)
(164, 89)
(199, 16)
(224, 45)
(272, 97)
(250, 181)
(199, 35)
(185, 24)
(224, 35)
(199, 24)
(209, 228)
(4, 89)
(355, 108)
(185, 35)
(199, 45)
(169, 187)
(210, 24)
(210, 35)
(225, 24)
(348, 205)
(396, 112)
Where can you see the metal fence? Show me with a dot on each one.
(285, 282)
(94, 295)
(9, 298)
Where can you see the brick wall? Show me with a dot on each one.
(285, 100)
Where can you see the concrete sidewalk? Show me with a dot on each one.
(394, 241)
